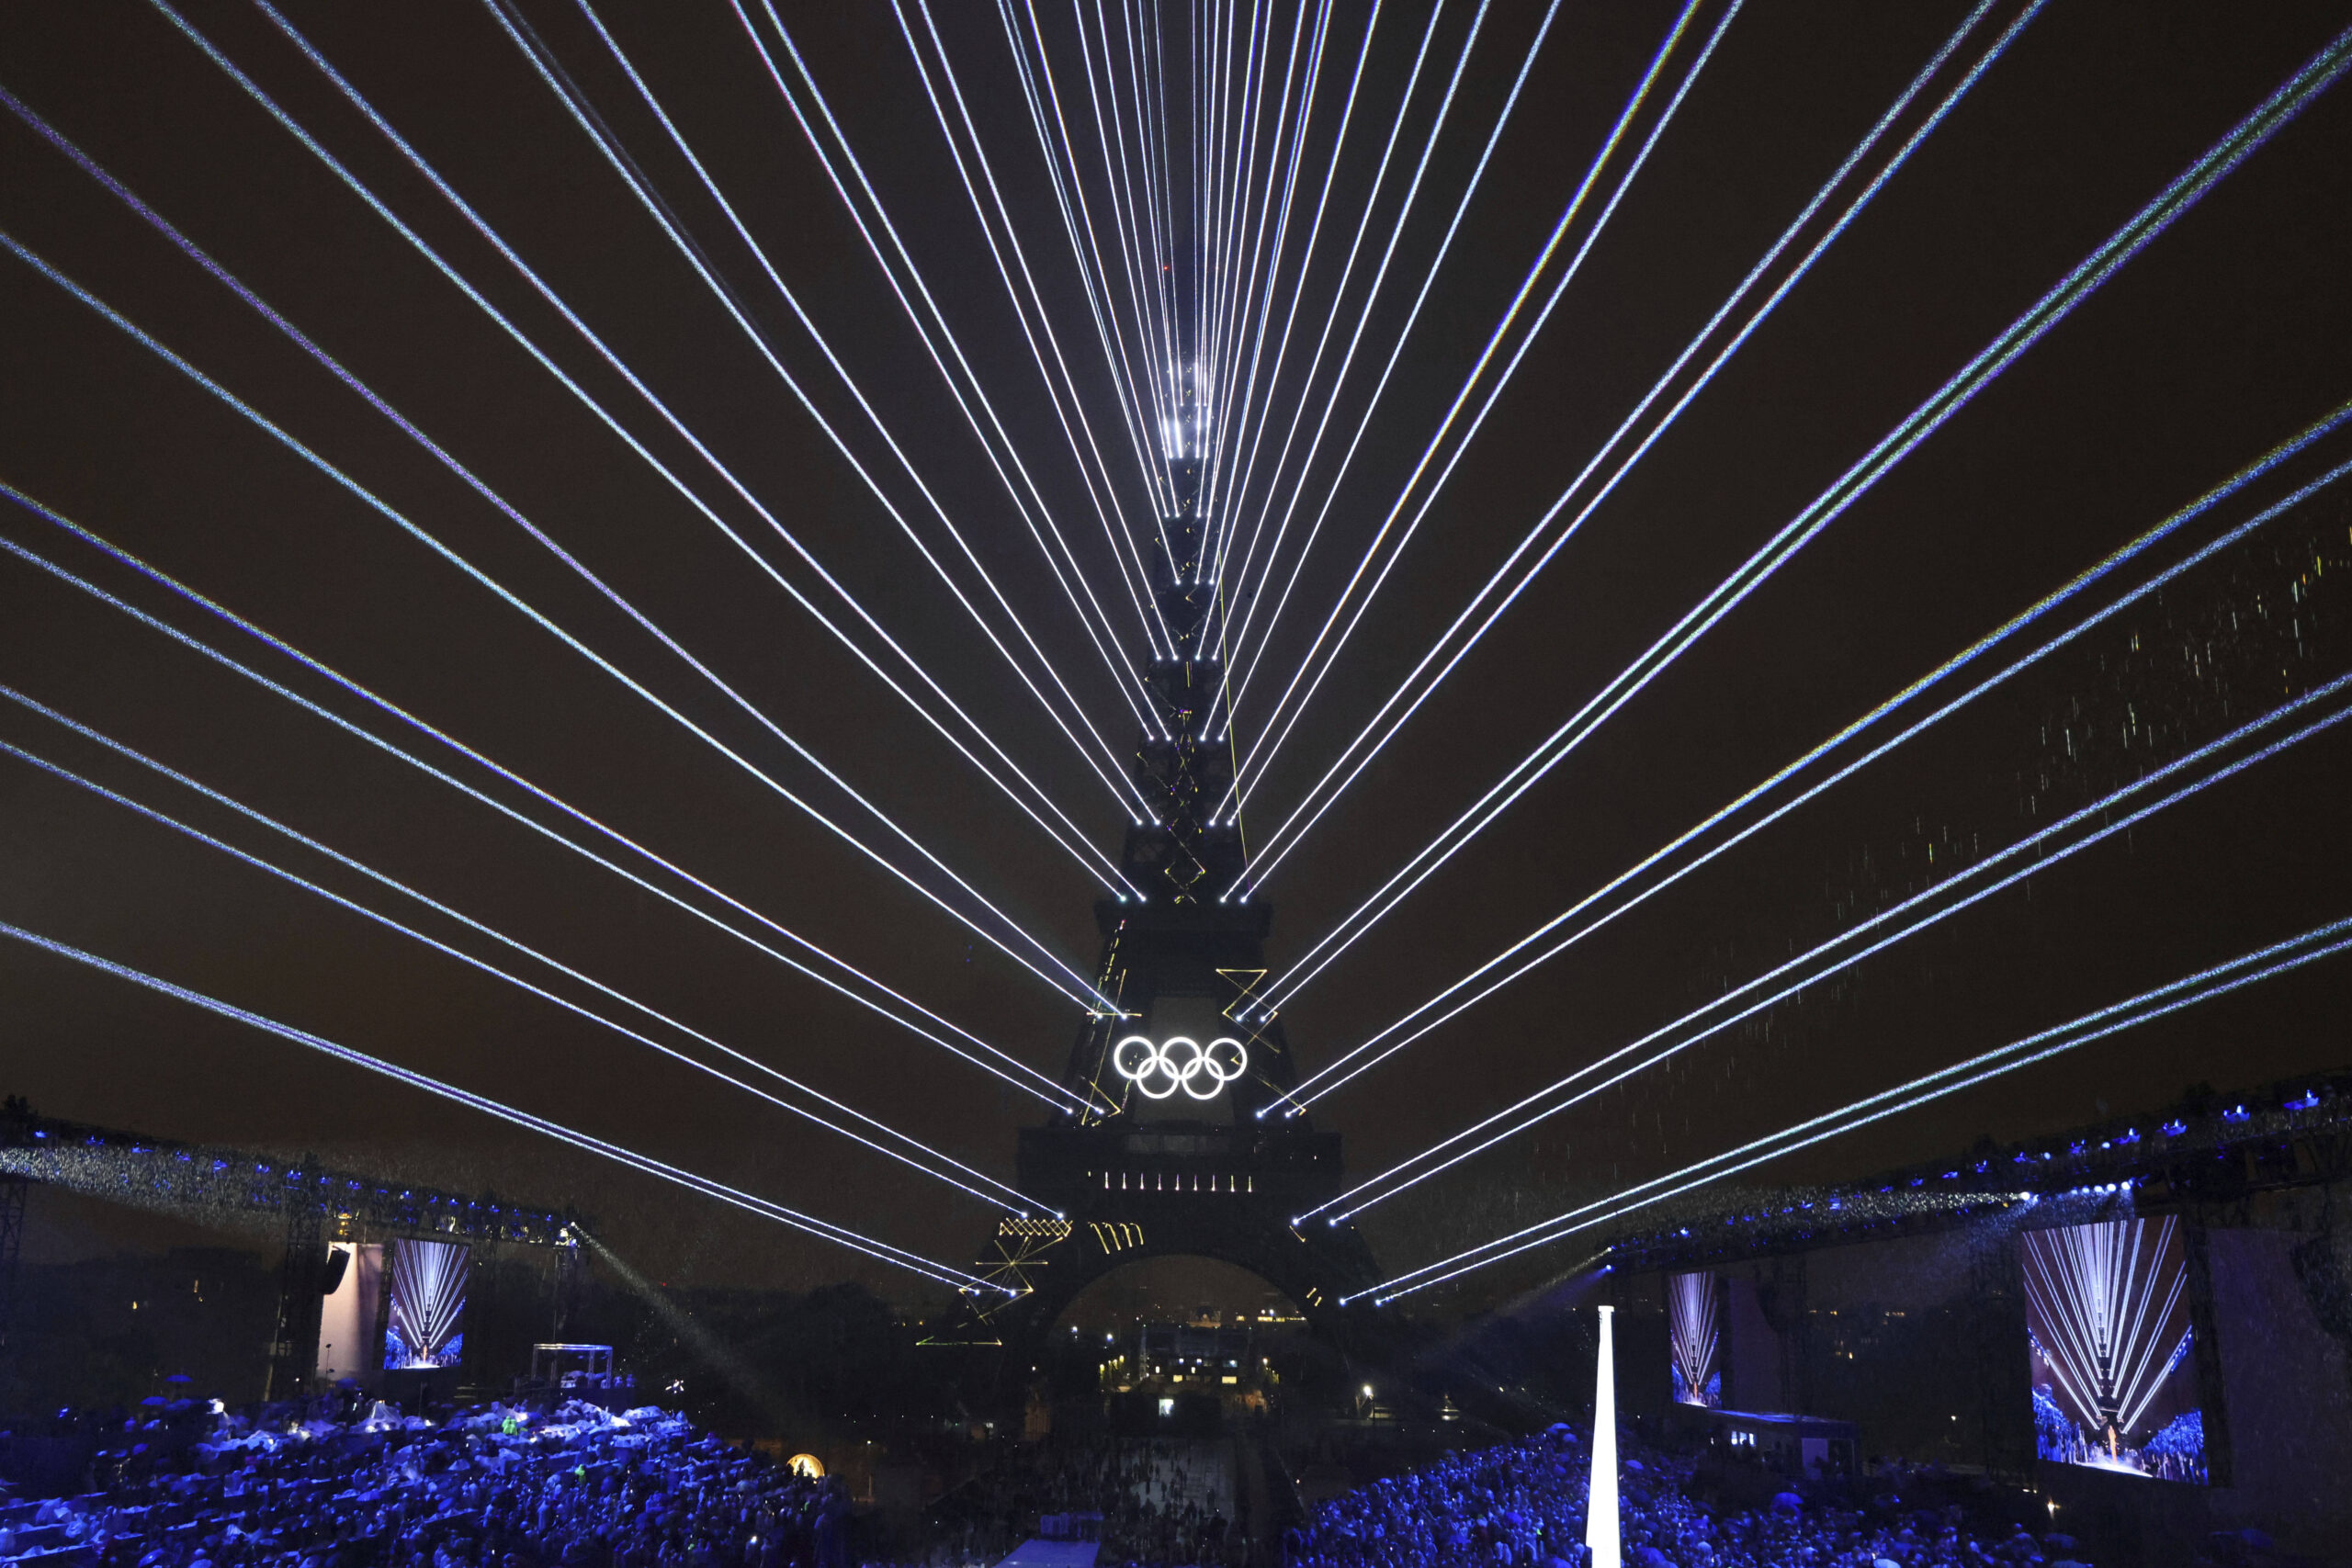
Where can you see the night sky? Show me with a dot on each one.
(2225, 336)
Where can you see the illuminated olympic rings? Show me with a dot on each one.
(1158, 1071)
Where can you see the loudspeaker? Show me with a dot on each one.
(331, 1277)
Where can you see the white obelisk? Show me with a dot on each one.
(1601, 1507)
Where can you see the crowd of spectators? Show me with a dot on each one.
(352, 1484)
(1522, 1504)
(348, 1483)
(1146, 1500)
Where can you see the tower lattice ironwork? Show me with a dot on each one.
(1186, 1148)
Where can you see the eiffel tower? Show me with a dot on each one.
(1174, 1158)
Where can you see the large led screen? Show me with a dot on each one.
(2114, 1383)
(428, 1305)
(1694, 1339)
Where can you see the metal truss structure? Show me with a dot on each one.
(310, 1205)
(221, 1184)
(2212, 1160)
(1136, 1175)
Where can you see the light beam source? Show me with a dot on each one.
(1600, 1498)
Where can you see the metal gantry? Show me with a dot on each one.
(307, 1205)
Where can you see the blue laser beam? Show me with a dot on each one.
(1355, 244)
(1086, 251)
(1236, 392)
(1143, 214)
(466, 475)
(1290, 319)
(1249, 307)
(1031, 506)
(1355, 250)
(1129, 230)
(1269, 750)
(1412, 316)
(1535, 327)
(1254, 408)
(1114, 779)
(1060, 381)
(1072, 845)
(1277, 844)
(1151, 144)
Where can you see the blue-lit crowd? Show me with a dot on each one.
(1523, 1505)
(365, 1487)
(359, 1485)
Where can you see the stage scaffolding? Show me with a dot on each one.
(310, 1205)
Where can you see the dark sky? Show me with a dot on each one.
(2225, 336)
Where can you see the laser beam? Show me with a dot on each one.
(1086, 251)
(1347, 271)
(1122, 539)
(1297, 294)
(2222, 979)
(1083, 994)
(997, 1197)
(1307, 1092)
(1265, 753)
(991, 1058)
(1073, 580)
(1114, 779)
(881, 1251)
(1076, 842)
(2039, 851)
(1236, 380)
(1253, 409)
(1301, 820)
(2321, 73)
